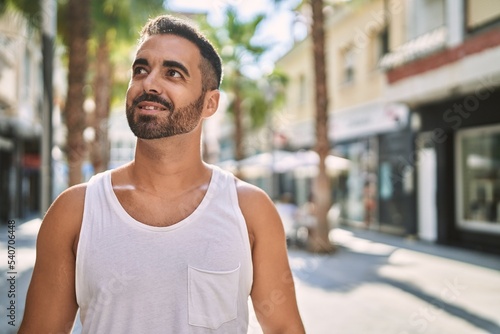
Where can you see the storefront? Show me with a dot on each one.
(6, 156)
(396, 196)
(360, 177)
(19, 170)
(459, 146)
(378, 190)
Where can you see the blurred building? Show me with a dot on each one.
(361, 118)
(413, 98)
(447, 71)
(21, 98)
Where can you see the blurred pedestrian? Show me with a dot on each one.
(165, 243)
(287, 210)
(368, 203)
(307, 218)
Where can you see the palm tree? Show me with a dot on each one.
(322, 193)
(319, 241)
(75, 18)
(114, 22)
(237, 51)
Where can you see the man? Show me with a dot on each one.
(166, 243)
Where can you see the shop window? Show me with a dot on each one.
(358, 180)
(386, 185)
(478, 176)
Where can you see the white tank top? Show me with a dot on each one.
(191, 277)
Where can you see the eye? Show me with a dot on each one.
(139, 70)
(173, 73)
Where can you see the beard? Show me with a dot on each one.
(167, 123)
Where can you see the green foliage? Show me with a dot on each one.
(236, 39)
(114, 20)
(62, 22)
(119, 19)
(30, 9)
(258, 96)
(261, 96)
(241, 33)
(117, 23)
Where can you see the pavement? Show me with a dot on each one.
(15, 280)
(373, 283)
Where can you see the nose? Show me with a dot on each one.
(151, 84)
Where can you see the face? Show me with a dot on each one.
(165, 96)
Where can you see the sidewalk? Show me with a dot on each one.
(374, 283)
(378, 283)
(25, 233)
(477, 258)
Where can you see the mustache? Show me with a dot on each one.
(152, 98)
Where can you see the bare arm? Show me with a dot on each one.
(273, 291)
(51, 300)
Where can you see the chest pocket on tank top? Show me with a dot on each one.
(213, 297)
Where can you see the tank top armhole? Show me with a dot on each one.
(233, 194)
(90, 191)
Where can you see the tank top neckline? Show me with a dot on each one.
(127, 218)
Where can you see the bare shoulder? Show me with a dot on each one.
(64, 216)
(69, 203)
(258, 209)
(248, 192)
(73, 195)
(253, 200)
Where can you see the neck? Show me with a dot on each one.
(169, 163)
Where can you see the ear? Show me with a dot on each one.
(211, 103)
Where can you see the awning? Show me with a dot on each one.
(300, 163)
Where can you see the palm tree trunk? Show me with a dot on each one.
(102, 96)
(239, 153)
(319, 241)
(79, 30)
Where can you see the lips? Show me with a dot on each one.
(151, 106)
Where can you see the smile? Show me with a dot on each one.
(152, 108)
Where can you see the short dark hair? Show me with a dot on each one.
(168, 24)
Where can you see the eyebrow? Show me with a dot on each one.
(166, 63)
(176, 64)
(140, 61)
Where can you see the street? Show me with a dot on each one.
(374, 283)
(375, 287)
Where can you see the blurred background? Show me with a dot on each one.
(383, 115)
(410, 123)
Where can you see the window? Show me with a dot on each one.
(478, 178)
(26, 84)
(302, 90)
(349, 59)
(380, 47)
(425, 16)
(481, 13)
